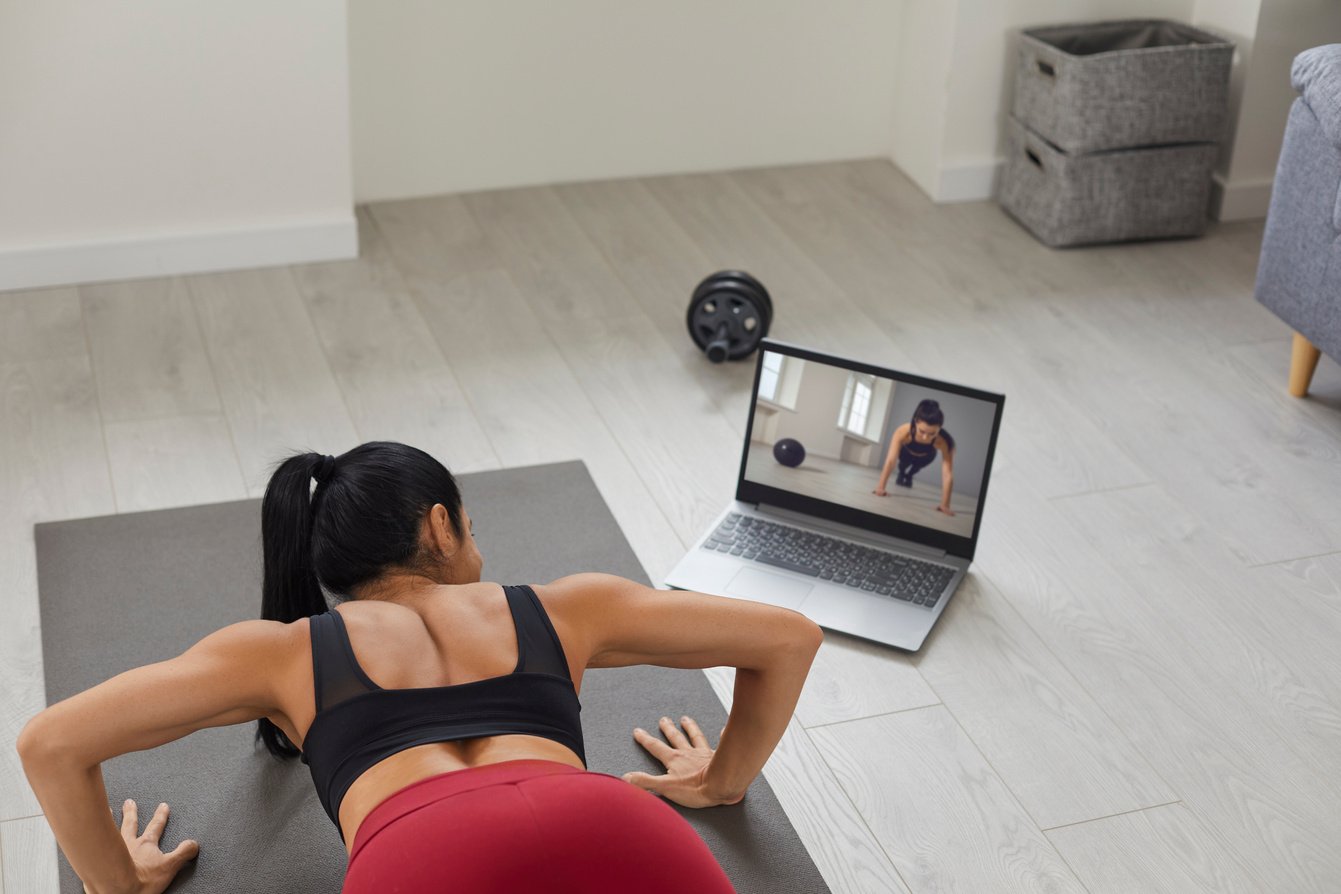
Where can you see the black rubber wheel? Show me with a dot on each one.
(729, 313)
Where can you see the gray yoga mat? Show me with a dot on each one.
(122, 591)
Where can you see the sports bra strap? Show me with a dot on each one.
(536, 636)
(336, 672)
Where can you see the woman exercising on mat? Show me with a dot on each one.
(914, 445)
(462, 765)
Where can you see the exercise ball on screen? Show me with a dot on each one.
(789, 452)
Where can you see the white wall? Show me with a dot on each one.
(921, 100)
(982, 77)
(967, 50)
(472, 95)
(150, 137)
(814, 421)
(1238, 21)
(1280, 30)
(949, 137)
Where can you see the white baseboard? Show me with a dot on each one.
(1244, 200)
(967, 183)
(202, 252)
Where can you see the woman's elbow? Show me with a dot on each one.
(42, 740)
(809, 635)
(34, 740)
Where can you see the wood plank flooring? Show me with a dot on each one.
(1137, 688)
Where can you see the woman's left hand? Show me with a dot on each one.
(686, 761)
(154, 869)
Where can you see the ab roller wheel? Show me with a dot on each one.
(729, 314)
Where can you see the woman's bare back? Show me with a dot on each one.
(454, 634)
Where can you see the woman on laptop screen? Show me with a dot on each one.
(914, 446)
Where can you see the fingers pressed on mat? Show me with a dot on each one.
(696, 737)
(659, 749)
(130, 823)
(673, 734)
(153, 830)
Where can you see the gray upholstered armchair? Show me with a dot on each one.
(1299, 274)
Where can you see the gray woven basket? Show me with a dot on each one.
(1110, 85)
(1123, 194)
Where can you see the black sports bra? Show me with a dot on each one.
(359, 723)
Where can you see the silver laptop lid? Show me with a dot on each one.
(820, 438)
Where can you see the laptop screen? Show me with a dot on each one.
(892, 452)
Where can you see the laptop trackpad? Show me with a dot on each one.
(774, 589)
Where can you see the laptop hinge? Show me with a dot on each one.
(885, 541)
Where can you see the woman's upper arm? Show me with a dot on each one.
(619, 622)
(228, 677)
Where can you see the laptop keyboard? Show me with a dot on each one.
(831, 559)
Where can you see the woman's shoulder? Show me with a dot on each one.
(449, 599)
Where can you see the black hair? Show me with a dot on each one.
(361, 521)
(929, 411)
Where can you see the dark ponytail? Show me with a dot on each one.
(361, 521)
(929, 411)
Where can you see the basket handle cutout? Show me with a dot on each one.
(1034, 158)
(1046, 68)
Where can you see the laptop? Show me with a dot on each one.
(859, 499)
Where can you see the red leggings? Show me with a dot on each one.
(528, 825)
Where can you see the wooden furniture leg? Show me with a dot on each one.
(1303, 361)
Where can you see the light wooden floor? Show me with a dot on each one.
(1137, 689)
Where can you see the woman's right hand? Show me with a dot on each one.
(686, 762)
(154, 868)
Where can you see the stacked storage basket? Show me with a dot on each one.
(1115, 130)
